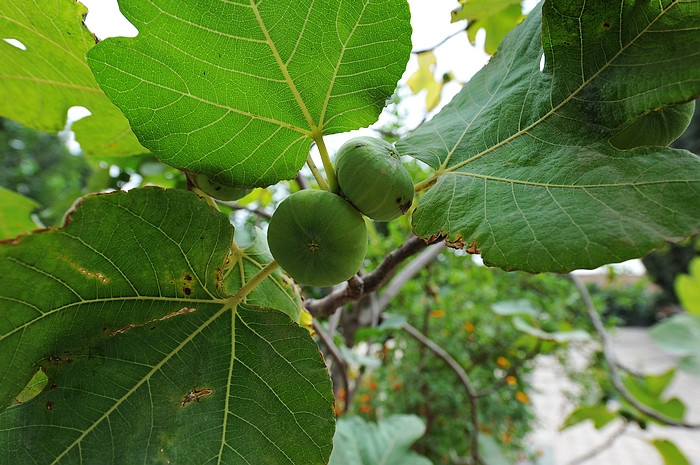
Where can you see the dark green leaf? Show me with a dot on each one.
(524, 170)
(238, 91)
(148, 359)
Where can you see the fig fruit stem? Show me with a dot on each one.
(317, 174)
(259, 277)
(327, 165)
(426, 183)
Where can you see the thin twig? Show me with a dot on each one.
(426, 257)
(359, 286)
(612, 362)
(602, 447)
(416, 52)
(463, 377)
(334, 353)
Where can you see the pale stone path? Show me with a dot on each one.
(635, 350)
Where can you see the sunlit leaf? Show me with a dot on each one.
(495, 17)
(238, 90)
(148, 359)
(649, 391)
(15, 211)
(424, 79)
(688, 288)
(598, 414)
(670, 452)
(51, 75)
(524, 172)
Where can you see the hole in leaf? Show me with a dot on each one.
(15, 43)
(105, 20)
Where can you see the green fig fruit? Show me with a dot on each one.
(317, 237)
(372, 177)
(216, 190)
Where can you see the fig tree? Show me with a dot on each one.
(317, 237)
(216, 190)
(372, 177)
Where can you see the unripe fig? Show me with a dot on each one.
(317, 237)
(373, 179)
(216, 190)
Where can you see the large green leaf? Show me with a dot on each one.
(238, 90)
(524, 170)
(41, 83)
(388, 442)
(15, 211)
(148, 359)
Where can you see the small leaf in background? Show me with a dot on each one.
(424, 79)
(649, 390)
(51, 75)
(598, 414)
(515, 307)
(671, 454)
(491, 451)
(124, 309)
(524, 170)
(680, 336)
(495, 17)
(688, 288)
(387, 442)
(15, 214)
(239, 91)
(560, 337)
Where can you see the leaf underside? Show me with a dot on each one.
(238, 90)
(147, 358)
(525, 174)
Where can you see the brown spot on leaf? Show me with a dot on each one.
(473, 249)
(49, 405)
(194, 395)
(456, 244)
(182, 311)
(606, 25)
(53, 386)
(188, 277)
(187, 290)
